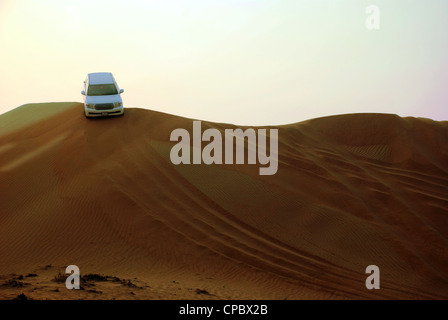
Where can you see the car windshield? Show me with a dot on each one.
(102, 90)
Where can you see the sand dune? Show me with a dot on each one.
(350, 191)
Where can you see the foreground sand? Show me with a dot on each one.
(350, 191)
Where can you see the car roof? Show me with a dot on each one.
(100, 78)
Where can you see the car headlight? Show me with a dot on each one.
(117, 104)
(90, 105)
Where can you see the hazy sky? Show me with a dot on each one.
(241, 61)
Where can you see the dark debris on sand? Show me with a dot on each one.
(21, 297)
(200, 291)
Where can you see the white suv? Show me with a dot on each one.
(102, 95)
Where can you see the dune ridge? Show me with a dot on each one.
(351, 191)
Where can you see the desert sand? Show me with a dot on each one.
(351, 191)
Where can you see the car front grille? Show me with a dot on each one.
(104, 106)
